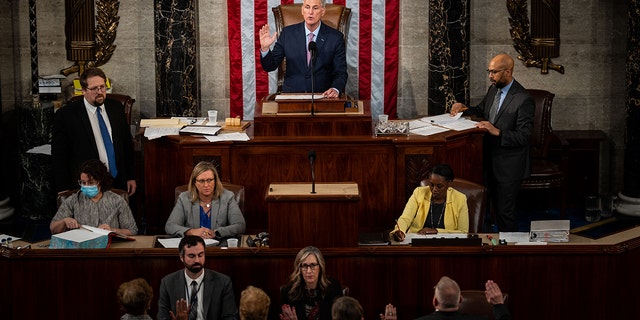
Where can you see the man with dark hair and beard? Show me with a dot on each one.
(195, 291)
(509, 110)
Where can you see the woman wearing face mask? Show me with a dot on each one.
(436, 208)
(94, 204)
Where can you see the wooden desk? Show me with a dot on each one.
(386, 169)
(298, 218)
(583, 279)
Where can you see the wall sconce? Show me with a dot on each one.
(537, 46)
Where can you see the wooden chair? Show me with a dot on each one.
(474, 302)
(237, 190)
(124, 100)
(545, 173)
(476, 201)
(335, 16)
(63, 195)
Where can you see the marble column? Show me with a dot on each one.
(37, 196)
(177, 92)
(449, 39)
(629, 198)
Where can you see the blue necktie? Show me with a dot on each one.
(108, 145)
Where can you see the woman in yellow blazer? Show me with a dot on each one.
(436, 208)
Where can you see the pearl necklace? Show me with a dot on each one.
(208, 204)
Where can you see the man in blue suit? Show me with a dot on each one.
(330, 64)
(509, 109)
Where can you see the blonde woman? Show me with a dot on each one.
(206, 209)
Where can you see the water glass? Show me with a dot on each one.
(608, 206)
(592, 208)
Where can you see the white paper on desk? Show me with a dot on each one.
(410, 236)
(514, 236)
(233, 136)
(316, 96)
(442, 119)
(461, 124)
(174, 242)
(428, 130)
(43, 149)
(157, 132)
(4, 237)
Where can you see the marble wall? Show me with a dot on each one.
(590, 95)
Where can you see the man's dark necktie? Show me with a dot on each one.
(108, 144)
(310, 38)
(494, 107)
(193, 313)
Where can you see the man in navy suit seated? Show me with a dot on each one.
(330, 64)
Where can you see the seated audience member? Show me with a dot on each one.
(135, 299)
(206, 209)
(254, 304)
(447, 299)
(347, 308)
(94, 204)
(310, 292)
(197, 293)
(434, 208)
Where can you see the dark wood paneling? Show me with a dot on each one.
(543, 282)
(384, 168)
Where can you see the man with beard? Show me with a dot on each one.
(201, 293)
(92, 128)
(509, 109)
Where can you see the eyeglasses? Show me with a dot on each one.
(97, 89)
(493, 72)
(203, 181)
(310, 266)
(87, 183)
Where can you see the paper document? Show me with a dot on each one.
(428, 130)
(174, 242)
(316, 96)
(43, 149)
(447, 121)
(160, 122)
(514, 236)
(234, 136)
(157, 132)
(191, 120)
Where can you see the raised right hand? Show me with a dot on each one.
(266, 39)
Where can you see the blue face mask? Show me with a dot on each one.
(90, 191)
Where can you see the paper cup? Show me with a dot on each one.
(213, 116)
(232, 243)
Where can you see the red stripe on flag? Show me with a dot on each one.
(391, 58)
(340, 2)
(364, 49)
(261, 16)
(235, 59)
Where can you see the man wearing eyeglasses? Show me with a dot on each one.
(508, 109)
(92, 128)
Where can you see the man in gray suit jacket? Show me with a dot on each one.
(201, 293)
(510, 111)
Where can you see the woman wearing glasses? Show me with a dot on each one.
(310, 292)
(94, 205)
(206, 209)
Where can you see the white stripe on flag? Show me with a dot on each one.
(248, 59)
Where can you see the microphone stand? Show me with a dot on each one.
(312, 160)
(312, 49)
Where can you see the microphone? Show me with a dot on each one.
(312, 160)
(313, 48)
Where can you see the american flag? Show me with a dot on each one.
(372, 53)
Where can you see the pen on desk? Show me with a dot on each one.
(493, 241)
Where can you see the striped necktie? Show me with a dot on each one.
(495, 106)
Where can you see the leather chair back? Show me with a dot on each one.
(237, 190)
(474, 302)
(125, 101)
(541, 133)
(476, 201)
(335, 16)
(63, 195)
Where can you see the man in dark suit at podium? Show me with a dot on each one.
(330, 64)
(92, 128)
